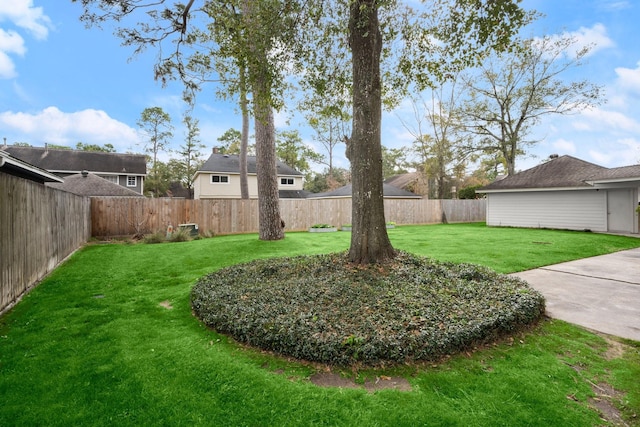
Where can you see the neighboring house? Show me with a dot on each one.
(126, 170)
(16, 167)
(415, 182)
(566, 193)
(90, 185)
(219, 178)
(388, 191)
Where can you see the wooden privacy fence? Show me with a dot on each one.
(119, 216)
(39, 228)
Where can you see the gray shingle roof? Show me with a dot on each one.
(74, 161)
(231, 164)
(92, 185)
(623, 172)
(22, 169)
(293, 194)
(387, 190)
(562, 172)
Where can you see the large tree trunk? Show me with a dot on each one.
(270, 222)
(369, 240)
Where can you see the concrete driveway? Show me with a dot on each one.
(600, 293)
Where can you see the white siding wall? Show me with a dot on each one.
(205, 189)
(572, 210)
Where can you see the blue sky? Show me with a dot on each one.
(62, 83)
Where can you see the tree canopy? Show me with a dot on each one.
(272, 40)
(514, 90)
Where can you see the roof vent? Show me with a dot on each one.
(226, 156)
(84, 173)
(553, 156)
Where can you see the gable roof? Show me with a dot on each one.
(624, 173)
(564, 172)
(389, 191)
(293, 194)
(56, 160)
(88, 184)
(230, 163)
(19, 168)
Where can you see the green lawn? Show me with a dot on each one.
(109, 339)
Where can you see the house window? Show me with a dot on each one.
(219, 179)
(132, 181)
(286, 181)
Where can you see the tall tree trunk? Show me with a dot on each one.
(270, 223)
(244, 137)
(369, 240)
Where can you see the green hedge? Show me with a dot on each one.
(324, 309)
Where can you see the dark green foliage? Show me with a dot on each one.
(321, 308)
(469, 192)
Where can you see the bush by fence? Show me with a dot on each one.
(39, 228)
(116, 216)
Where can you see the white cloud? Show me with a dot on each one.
(629, 79)
(603, 120)
(621, 152)
(7, 68)
(23, 14)
(596, 36)
(10, 42)
(564, 146)
(616, 6)
(57, 127)
(600, 158)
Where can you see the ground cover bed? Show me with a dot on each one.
(110, 339)
(322, 308)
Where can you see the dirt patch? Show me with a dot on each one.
(615, 349)
(166, 304)
(603, 402)
(330, 379)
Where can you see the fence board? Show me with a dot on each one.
(121, 216)
(39, 228)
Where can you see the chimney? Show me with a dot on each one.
(216, 150)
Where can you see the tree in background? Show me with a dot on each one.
(447, 34)
(394, 161)
(190, 153)
(292, 151)
(408, 50)
(106, 148)
(156, 124)
(230, 141)
(157, 183)
(514, 90)
(327, 181)
(438, 136)
(331, 125)
(256, 39)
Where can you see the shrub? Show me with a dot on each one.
(322, 308)
(180, 235)
(157, 237)
(468, 192)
